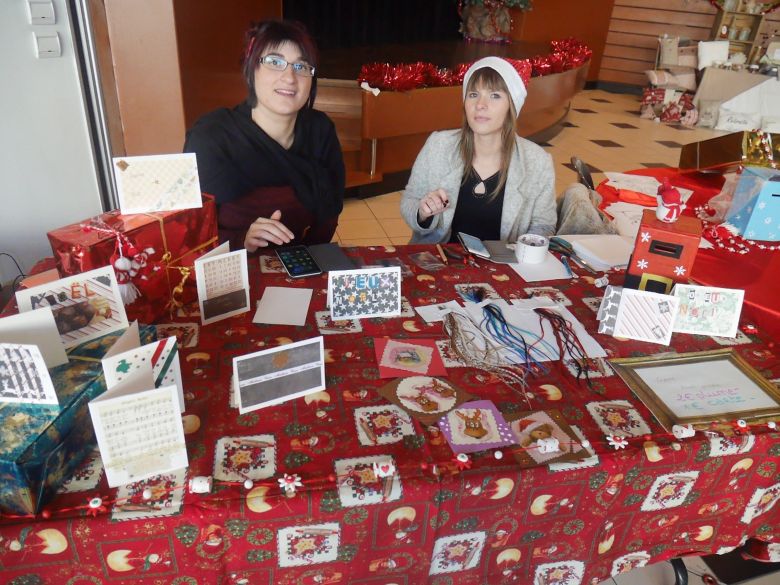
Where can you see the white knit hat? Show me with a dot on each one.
(509, 74)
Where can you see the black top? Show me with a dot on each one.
(237, 159)
(476, 214)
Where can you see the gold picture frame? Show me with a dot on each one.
(699, 388)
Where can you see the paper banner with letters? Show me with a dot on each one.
(85, 306)
(164, 182)
(707, 310)
(367, 292)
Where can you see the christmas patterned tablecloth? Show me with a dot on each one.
(316, 509)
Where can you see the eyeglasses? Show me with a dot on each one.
(278, 64)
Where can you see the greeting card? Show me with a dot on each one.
(367, 292)
(275, 375)
(707, 310)
(638, 314)
(426, 399)
(397, 357)
(85, 306)
(24, 376)
(223, 284)
(164, 182)
(531, 429)
(476, 426)
(35, 328)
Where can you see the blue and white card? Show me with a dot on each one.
(366, 292)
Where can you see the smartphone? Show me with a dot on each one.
(297, 261)
(473, 245)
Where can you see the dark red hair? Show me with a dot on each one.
(269, 34)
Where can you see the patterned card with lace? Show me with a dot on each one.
(165, 182)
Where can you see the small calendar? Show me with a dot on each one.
(223, 284)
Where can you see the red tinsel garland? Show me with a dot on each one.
(564, 55)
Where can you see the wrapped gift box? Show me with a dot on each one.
(731, 151)
(755, 208)
(152, 254)
(41, 446)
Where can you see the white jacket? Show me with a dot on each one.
(529, 194)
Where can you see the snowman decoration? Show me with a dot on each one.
(670, 204)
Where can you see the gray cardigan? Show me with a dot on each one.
(529, 196)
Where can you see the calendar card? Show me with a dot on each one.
(24, 376)
(223, 284)
(164, 182)
(275, 375)
(85, 306)
(138, 367)
(366, 292)
(139, 434)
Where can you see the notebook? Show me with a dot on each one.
(602, 251)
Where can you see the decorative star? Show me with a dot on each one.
(645, 236)
(290, 483)
(617, 442)
(642, 264)
(679, 270)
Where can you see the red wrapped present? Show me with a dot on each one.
(152, 254)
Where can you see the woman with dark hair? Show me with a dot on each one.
(273, 163)
(483, 179)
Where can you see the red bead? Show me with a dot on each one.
(423, 466)
(331, 477)
(45, 514)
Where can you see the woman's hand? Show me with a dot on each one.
(432, 204)
(267, 230)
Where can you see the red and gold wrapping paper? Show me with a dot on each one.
(177, 238)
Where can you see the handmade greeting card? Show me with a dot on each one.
(398, 357)
(707, 310)
(35, 328)
(223, 284)
(283, 305)
(138, 368)
(638, 314)
(85, 306)
(533, 429)
(426, 399)
(367, 292)
(24, 376)
(163, 182)
(275, 375)
(139, 434)
(476, 426)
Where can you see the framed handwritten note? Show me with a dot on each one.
(700, 387)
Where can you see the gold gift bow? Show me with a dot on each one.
(185, 271)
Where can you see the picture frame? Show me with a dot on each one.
(699, 388)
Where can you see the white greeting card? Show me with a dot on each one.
(139, 434)
(136, 368)
(85, 306)
(163, 182)
(283, 306)
(366, 292)
(223, 284)
(708, 310)
(275, 375)
(24, 376)
(646, 316)
(35, 328)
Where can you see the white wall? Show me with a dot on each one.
(47, 174)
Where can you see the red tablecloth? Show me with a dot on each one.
(491, 523)
(756, 271)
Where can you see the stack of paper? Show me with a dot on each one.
(603, 251)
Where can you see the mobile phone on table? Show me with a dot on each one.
(473, 245)
(297, 261)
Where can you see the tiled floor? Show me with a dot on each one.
(603, 129)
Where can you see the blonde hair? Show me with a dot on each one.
(490, 79)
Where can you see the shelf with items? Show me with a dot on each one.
(740, 26)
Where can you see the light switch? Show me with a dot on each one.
(47, 45)
(41, 12)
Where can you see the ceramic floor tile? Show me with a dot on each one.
(399, 241)
(359, 228)
(385, 206)
(355, 209)
(396, 228)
